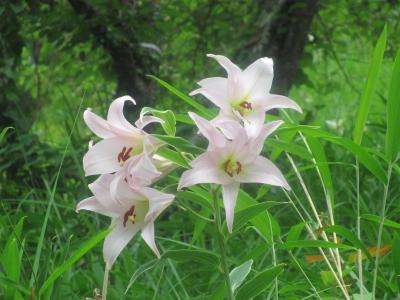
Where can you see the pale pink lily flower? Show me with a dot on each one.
(244, 95)
(229, 162)
(130, 211)
(121, 140)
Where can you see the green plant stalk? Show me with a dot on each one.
(221, 244)
(380, 231)
(105, 283)
(359, 253)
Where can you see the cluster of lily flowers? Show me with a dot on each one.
(128, 165)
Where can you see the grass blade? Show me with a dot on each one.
(366, 97)
(393, 113)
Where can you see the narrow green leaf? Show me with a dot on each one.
(201, 256)
(239, 274)
(377, 219)
(179, 143)
(200, 108)
(259, 283)
(3, 133)
(295, 231)
(314, 244)
(86, 247)
(173, 156)
(393, 113)
(369, 89)
(322, 166)
(194, 197)
(350, 236)
(245, 215)
(289, 147)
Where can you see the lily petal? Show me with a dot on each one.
(214, 89)
(229, 195)
(116, 116)
(148, 237)
(233, 70)
(117, 240)
(92, 204)
(262, 170)
(140, 171)
(102, 158)
(202, 173)
(257, 77)
(212, 134)
(277, 101)
(267, 129)
(98, 125)
(158, 201)
(143, 121)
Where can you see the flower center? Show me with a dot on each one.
(243, 107)
(130, 216)
(124, 155)
(231, 167)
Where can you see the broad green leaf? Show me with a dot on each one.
(377, 220)
(3, 133)
(200, 108)
(366, 296)
(393, 113)
(179, 143)
(11, 263)
(86, 247)
(245, 215)
(295, 231)
(350, 236)
(320, 158)
(167, 116)
(201, 256)
(369, 89)
(259, 283)
(139, 271)
(314, 244)
(239, 274)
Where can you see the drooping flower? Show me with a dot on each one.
(121, 140)
(130, 210)
(231, 161)
(244, 95)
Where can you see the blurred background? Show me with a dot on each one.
(58, 55)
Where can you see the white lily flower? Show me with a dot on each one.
(231, 161)
(121, 140)
(130, 210)
(244, 95)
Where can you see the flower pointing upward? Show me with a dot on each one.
(230, 162)
(244, 95)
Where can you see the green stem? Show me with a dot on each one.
(221, 244)
(359, 254)
(380, 231)
(105, 283)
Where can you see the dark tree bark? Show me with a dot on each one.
(130, 66)
(286, 38)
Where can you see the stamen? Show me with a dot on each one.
(227, 169)
(130, 215)
(124, 155)
(238, 167)
(246, 105)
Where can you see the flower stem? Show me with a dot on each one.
(221, 244)
(378, 245)
(105, 283)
